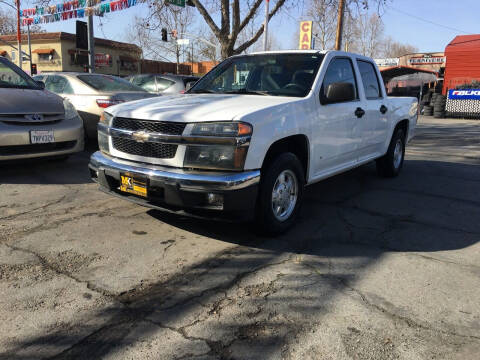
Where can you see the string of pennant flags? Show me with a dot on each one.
(72, 10)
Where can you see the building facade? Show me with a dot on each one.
(422, 61)
(57, 51)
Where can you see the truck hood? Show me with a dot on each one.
(197, 107)
(28, 101)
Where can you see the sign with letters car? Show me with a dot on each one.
(465, 94)
(305, 41)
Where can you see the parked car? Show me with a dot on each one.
(33, 121)
(251, 134)
(165, 83)
(92, 93)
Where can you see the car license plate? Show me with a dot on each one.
(133, 185)
(41, 136)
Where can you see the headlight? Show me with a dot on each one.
(70, 112)
(105, 118)
(219, 157)
(222, 129)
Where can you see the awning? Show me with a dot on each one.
(394, 71)
(3, 53)
(43, 51)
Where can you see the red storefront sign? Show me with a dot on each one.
(102, 59)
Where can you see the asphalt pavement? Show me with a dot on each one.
(375, 268)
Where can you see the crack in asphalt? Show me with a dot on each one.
(9, 217)
(130, 315)
(46, 264)
(408, 321)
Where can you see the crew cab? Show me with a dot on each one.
(247, 138)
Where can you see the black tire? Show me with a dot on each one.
(387, 165)
(427, 110)
(265, 220)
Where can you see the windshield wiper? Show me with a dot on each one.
(247, 92)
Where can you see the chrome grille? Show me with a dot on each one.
(152, 150)
(19, 119)
(163, 127)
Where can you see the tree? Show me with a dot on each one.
(323, 14)
(148, 30)
(393, 49)
(370, 29)
(8, 23)
(233, 20)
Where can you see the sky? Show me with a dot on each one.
(429, 25)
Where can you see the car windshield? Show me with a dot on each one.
(267, 74)
(108, 83)
(13, 77)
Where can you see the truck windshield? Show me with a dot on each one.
(12, 76)
(266, 74)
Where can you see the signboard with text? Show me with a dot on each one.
(387, 62)
(102, 59)
(426, 60)
(465, 94)
(305, 41)
(176, 2)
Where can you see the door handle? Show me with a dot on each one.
(359, 112)
(383, 109)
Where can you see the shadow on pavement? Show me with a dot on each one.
(354, 215)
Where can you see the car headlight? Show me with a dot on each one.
(70, 112)
(105, 118)
(215, 156)
(103, 142)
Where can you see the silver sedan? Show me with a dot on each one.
(33, 121)
(92, 93)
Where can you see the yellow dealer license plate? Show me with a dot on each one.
(133, 185)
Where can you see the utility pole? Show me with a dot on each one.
(19, 36)
(341, 12)
(91, 45)
(29, 47)
(265, 29)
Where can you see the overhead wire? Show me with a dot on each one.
(428, 21)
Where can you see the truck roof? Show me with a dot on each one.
(290, 52)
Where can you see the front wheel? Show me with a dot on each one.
(391, 163)
(280, 195)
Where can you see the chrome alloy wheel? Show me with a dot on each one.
(398, 154)
(284, 195)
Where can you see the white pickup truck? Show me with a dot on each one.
(249, 135)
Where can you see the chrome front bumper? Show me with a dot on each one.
(178, 189)
(191, 180)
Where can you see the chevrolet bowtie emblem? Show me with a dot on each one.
(141, 136)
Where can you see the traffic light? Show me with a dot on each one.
(33, 69)
(164, 34)
(174, 34)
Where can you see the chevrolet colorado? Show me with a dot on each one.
(247, 138)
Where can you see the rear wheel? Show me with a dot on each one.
(391, 163)
(280, 194)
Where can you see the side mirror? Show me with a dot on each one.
(41, 84)
(339, 92)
